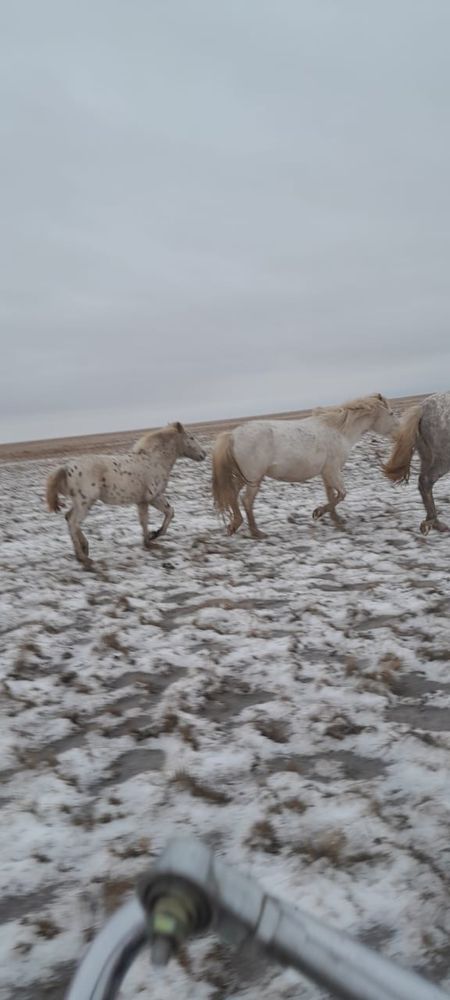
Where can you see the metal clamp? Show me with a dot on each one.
(189, 890)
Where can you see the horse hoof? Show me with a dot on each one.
(317, 513)
(88, 564)
(258, 535)
(425, 527)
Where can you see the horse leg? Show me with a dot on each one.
(74, 517)
(248, 500)
(426, 492)
(160, 503)
(237, 519)
(335, 494)
(334, 497)
(142, 509)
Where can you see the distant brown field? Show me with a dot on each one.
(121, 440)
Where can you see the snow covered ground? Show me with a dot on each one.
(287, 700)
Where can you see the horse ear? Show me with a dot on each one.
(179, 427)
(380, 397)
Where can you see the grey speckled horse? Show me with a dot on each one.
(425, 427)
(139, 477)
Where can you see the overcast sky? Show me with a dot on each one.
(220, 208)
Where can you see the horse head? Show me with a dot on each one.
(386, 422)
(188, 446)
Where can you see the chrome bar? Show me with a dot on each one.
(189, 889)
(110, 955)
(242, 911)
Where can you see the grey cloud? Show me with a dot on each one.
(219, 208)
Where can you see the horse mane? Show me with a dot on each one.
(338, 416)
(152, 437)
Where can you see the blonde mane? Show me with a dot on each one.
(339, 416)
(151, 437)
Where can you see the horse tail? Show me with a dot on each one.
(56, 484)
(228, 479)
(398, 466)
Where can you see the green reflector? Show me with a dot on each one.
(163, 924)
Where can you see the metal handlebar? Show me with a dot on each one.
(189, 890)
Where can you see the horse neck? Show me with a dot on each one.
(166, 451)
(357, 426)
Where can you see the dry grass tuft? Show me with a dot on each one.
(25, 661)
(169, 722)
(341, 726)
(276, 730)
(111, 640)
(187, 783)
(46, 928)
(136, 849)
(187, 731)
(330, 845)
(388, 668)
(113, 892)
(262, 836)
(218, 971)
(352, 666)
(295, 805)
(384, 675)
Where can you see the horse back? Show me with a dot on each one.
(289, 450)
(434, 432)
(253, 448)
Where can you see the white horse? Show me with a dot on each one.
(139, 477)
(293, 451)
